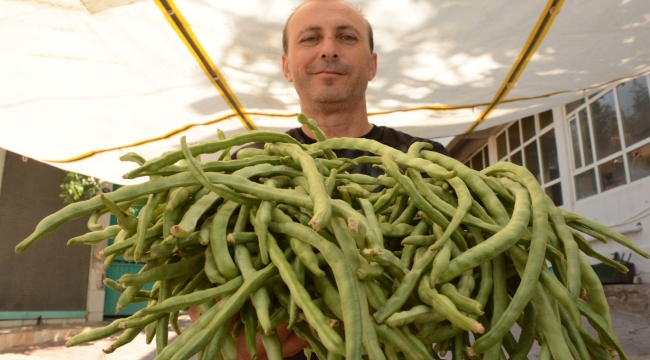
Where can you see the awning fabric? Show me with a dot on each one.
(84, 81)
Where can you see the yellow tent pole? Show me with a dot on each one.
(534, 40)
(183, 30)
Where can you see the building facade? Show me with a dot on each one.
(591, 156)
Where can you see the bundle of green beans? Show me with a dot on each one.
(429, 258)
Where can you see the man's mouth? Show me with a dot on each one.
(328, 72)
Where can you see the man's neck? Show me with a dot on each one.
(338, 122)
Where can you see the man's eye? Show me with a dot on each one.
(309, 39)
(348, 38)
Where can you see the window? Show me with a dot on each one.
(479, 160)
(610, 137)
(530, 142)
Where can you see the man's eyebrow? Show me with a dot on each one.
(310, 28)
(347, 27)
(319, 28)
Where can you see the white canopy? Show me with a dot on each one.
(105, 77)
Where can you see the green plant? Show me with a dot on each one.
(78, 187)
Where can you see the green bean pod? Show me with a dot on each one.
(218, 242)
(406, 286)
(145, 217)
(496, 244)
(605, 333)
(574, 334)
(369, 212)
(422, 204)
(260, 297)
(535, 259)
(218, 315)
(312, 125)
(570, 248)
(125, 220)
(96, 236)
(395, 230)
(249, 319)
(441, 261)
(262, 219)
(168, 271)
(210, 147)
(343, 276)
(127, 336)
(611, 234)
(315, 317)
(462, 302)
(322, 206)
(183, 301)
(586, 248)
(595, 291)
(446, 308)
(418, 314)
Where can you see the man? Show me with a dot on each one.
(328, 56)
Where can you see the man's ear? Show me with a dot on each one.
(372, 71)
(285, 68)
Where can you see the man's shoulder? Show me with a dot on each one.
(401, 140)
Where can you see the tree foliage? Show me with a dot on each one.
(78, 187)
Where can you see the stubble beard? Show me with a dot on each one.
(329, 94)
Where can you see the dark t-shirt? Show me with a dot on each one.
(385, 135)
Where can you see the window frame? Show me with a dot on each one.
(485, 156)
(622, 152)
(539, 132)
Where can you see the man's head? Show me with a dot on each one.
(285, 43)
(328, 54)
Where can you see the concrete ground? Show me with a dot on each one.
(632, 329)
(56, 350)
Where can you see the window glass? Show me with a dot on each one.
(612, 174)
(573, 105)
(516, 158)
(586, 184)
(513, 136)
(603, 117)
(528, 127)
(575, 141)
(502, 148)
(550, 166)
(593, 94)
(634, 100)
(555, 193)
(477, 161)
(532, 159)
(639, 162)
(586, 137)
(546, 118)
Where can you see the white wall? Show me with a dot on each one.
(621, 208)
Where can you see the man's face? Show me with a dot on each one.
(328, 57)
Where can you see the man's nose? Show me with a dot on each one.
(329, 49)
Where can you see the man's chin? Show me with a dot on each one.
(330, 98)
(330, 101)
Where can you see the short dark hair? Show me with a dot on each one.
(285, 41)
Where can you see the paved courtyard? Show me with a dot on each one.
(633, 331)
